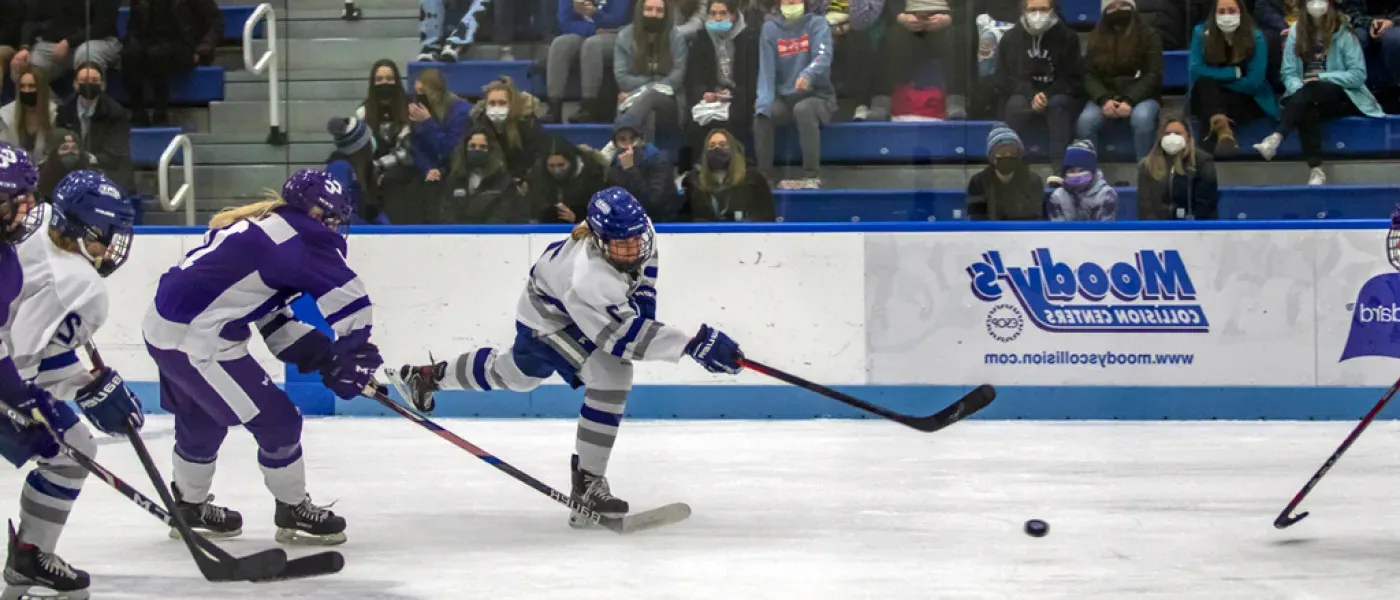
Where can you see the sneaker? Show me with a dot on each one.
(1317, 177)
(809, 183)
(1269, 147)
(507, 53)
(449, 53)
(956, 108)
(862, 113)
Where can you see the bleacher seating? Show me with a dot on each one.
(147, 144)
(197, 88)
(234, 19)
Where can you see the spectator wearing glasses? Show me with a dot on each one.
(165, 38)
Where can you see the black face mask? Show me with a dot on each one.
(421, 99)
(385, 92)
(90, 90)
(29, 98)
(1007, 166)
(1119, 19)
(478, 158)
(653, 24)
(717, 159)
(69, 161)
(561, 175)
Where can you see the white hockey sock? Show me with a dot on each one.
(193, 479)
(287, 484)
(484, 369)
(598, 421)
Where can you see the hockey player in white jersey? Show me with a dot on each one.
(588, 312)
(82, 237)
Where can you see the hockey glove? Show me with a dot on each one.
(715, 351)
(109, 405)
(644, 302)
(352, 370)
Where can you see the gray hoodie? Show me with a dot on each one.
(1097, 203)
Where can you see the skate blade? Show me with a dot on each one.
(297, 537)
(39, 592)
(582, 523)
(213, 535)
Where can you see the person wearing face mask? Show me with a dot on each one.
(479, 189)
(352, 164)
(1006, 190)
(1374, 22)
(165, 38)
(1123, 75)
(724, 186)
(649, 64)
(385, 113)
(794, 86)
(1177, 179)
(1324, 78)
(1227, 72)
(440, 122)
(588, 31)
(562, 182)
(721, 77)
(644, 171)
(508, 115)
(1085, 195)
(66, 156)
(103, 125)
(1040, 74)
(29, 118)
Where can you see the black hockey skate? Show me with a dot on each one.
(417, 383)
(308, 524)
(592, 492)
(205, 517)
(28, 568)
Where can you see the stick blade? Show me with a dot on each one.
(314, 565)
(660, 516)
(1284, 521)
(963, 408)
(261, 564)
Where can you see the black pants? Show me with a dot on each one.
(855, 55)
(1210, 97)
(154, 62)
(1308, 109)
(1061, 113)
(904, 51)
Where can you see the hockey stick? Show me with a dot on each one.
(265, 566)
(650, 519)
(965, 406)
(1284, 519)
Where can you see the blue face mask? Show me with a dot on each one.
(719, 26)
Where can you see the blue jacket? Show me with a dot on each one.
(343, 173)
(612, 14)
(1346, 67)
(1251, 81)
(791, 49)
(434, 140)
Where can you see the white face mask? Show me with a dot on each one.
(1227, 23)
(497, 114)
(1037, 22)
(1317, 8)
(1173, 143)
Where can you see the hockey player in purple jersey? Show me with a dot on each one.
(255, 260)
(588, 312)
(83, 236)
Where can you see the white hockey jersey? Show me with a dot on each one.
(63, 303)
(572, 283)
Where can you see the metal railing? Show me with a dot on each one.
(268, 63)
(184, 195)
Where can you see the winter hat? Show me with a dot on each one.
(1082, 155)
(1002, 135)
(350, 134)
(1103, 5)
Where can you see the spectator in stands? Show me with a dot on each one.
(480, 189)
(61, 33)
(508, 116)
(1174, 19)
(561, 184)
(723, 187)
(165, 38)
(352, 164)
(794, 86)
(917, 32)
(1122, 75)
(1177, 179)
(1324, 77)
(385, 113)
(852, 25)
(66, 155)
(439, 124)
(994, 19)
(11, 32)
(30, 116)
(538, 13)
(588, 33)
(1375, 22)
(103, 124)
(1228, 61)
(644, 170)
(1274, 18)
(649, 63)
(1006, 190)
(1040, 74)
(1085, 195)
(721, 76)
(447, 28)
(690, 17)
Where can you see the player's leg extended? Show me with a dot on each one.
(607, 379)
(49, 493)
(532, 359)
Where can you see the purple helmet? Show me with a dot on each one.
(615, 217)
(310, 189)
(18, 178)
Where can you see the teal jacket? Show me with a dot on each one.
(1251, 81)
(1346, 67)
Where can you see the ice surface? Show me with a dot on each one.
(796, 510)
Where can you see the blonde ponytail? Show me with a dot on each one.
(580, 231)
(254, 211)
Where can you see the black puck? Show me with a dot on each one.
(1037, 528)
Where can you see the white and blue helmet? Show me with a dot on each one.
(615, 215)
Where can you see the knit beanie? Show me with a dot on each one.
(1082, 155)
(1103, 4)
(350, 134)
(1002, 135)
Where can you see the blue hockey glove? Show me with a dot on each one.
(715, 351)
(352, 370)
(109, 405)
(644, 301)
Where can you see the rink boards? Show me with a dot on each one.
(1279, 320)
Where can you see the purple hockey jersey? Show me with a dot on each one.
(11, 283)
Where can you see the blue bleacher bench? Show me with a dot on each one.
(466, 78)
(1176, 71)
(147, 144)
(234, 19)
(198, 87)
(1284, 202)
